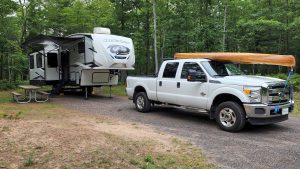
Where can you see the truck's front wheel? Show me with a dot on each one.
(230, 116)
(142, 103)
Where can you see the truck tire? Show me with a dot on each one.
(142, 103)
(230, 116)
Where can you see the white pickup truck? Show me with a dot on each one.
(219, 88)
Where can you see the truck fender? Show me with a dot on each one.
(227, 90)
(140, 84)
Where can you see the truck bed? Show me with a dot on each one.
(147, 82)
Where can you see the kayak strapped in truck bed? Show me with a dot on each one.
(247, 58)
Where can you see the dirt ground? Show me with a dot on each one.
(51, 136)
(272, 146)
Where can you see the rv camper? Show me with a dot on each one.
(85, 60)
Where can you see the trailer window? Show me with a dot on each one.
(39, 60)
(170, 70)
(52, 59)
(31, 61)
(81, 47)
(190, 65)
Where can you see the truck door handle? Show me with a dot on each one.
(160, 83)
(178, 84)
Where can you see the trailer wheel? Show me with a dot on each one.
(142, 103)
(230, 116)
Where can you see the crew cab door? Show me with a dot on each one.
(193, 94)
(166, 82)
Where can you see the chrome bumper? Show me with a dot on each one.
(260, 113)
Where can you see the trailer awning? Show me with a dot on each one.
(246, 58)
(40, 39)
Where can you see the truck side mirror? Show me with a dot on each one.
(194, 76)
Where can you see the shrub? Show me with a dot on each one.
(6, 85)
(295, 79)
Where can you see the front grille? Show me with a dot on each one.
(277, 94)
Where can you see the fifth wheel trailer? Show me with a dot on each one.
(85, 60)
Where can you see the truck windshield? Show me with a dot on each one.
(217, 68)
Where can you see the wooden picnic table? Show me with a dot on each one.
(30, 93)
(29, 87)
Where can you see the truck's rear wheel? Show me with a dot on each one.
(230, 116)
(142, 103)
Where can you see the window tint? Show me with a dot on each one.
(81, 47)
(39, 60)
(31, 61)
(190, 65)
(52, 59)
(170, 70)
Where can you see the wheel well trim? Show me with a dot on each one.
(229, 91)
(240, 96)
(140, 85)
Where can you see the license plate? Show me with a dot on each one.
(285, 111)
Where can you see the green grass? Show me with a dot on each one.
(6, 96)
(28, 161)
(118, 90)
(297, 104)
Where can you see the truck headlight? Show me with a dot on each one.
(254, 93)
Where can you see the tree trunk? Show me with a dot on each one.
(147, 25)
(8, 68)
(123, 73)
(224, 29)
(24, 20)
(287, 25)
(155, 37)
(2, 64)
(123, 15)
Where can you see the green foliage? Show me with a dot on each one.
(295, 79)
(28, 161)
(6, 85)
(134, 162)
(297, 104)
(149, 159)
(183, 26)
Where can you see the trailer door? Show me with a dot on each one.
(36, 69)
(52, 67)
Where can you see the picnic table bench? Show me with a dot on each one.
(44, 95)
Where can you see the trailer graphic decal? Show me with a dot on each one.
(118, 49)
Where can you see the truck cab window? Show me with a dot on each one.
(191, 65)
(170, 70)
(39, 60)
(31, 61)
(52, 60)
(218, 68)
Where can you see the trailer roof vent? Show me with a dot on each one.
(100, 30)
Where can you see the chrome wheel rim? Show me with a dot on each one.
(227, 117)
(140, 102)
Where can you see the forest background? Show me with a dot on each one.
(260, 26)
